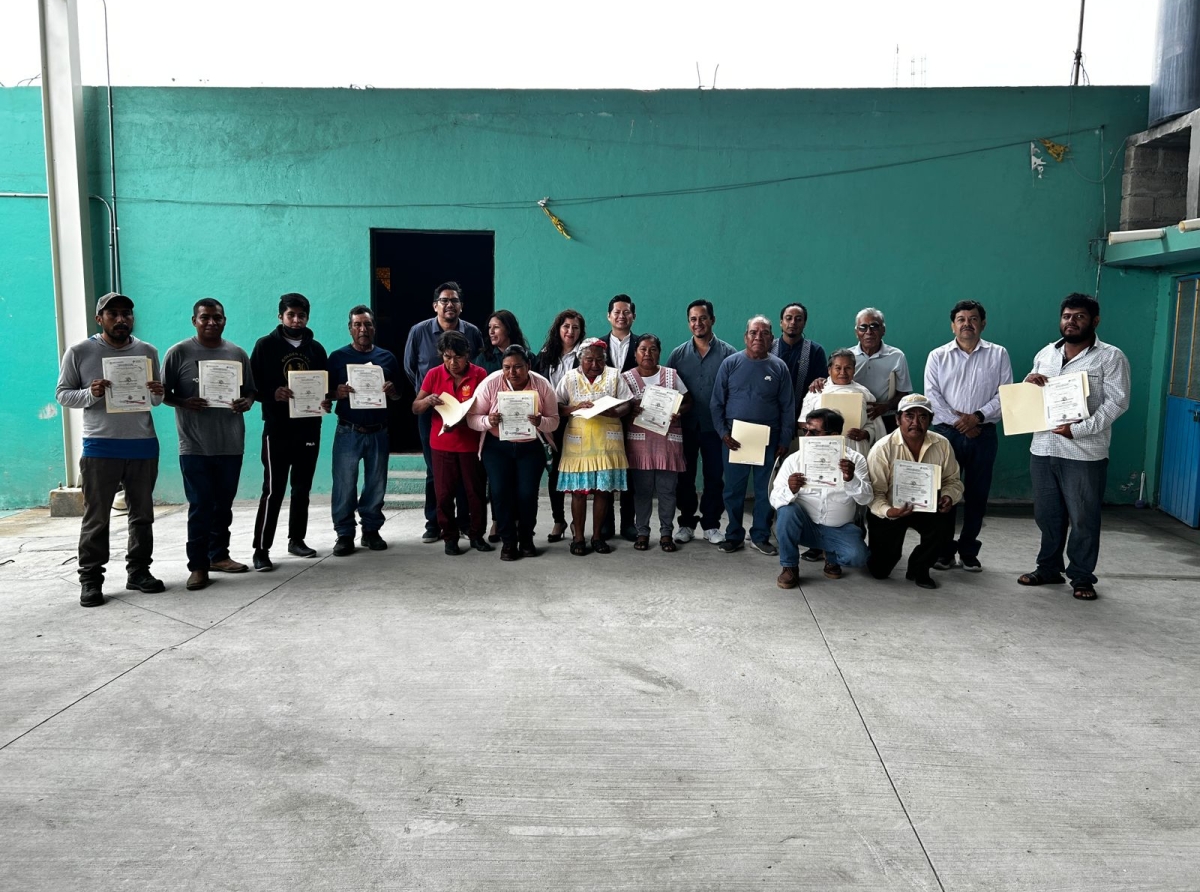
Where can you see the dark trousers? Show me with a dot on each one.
(886, 538)
(704, 446)
(210, 483)
(557, 499)
(285, 452)
(1068, 493)
(452, 472)
(425, 431)
(514, 471)
(976, 456)
(100, 479)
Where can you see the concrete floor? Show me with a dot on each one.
(405, 720)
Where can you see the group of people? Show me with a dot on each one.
(578, 412)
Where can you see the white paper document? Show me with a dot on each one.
(753, 440)
(367, 381)
(1027, 408)
(658, 405)
(515, 407)
(821, 460)
(128, 376)
(848, 405)
(1065, 397)
(308, 392)
(220, 382)
(452, 411)
(598, 406)
(916, 483)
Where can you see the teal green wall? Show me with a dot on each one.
(245, 194)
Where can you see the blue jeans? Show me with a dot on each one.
(514, 471)
(795, 529)
(976, 456)
(1067, 492)
(737, 477)
(350, 447)
(210, 484)
(701, 446)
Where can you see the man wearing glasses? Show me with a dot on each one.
(421, 355)
(880, 368)
(820, 517)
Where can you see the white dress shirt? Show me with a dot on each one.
(825, 505)
(619, 349)
(1108, 398)
(957, 381)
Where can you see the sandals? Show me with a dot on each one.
(1084, 592)
(666, 543)
(641, 543)
(579, 547)
(601, 547)
(1036, 578)
(557, 532)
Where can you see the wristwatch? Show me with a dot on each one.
(979, 415)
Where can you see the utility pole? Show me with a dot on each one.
(1078, 66)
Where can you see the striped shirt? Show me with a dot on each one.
(1108, 398)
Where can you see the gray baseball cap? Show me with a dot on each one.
(113, 299)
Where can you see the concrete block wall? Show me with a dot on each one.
(1154, 186)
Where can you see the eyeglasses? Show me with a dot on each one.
(444, 301)
(809, 432)
(869, 326)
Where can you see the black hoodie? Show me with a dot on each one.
(272, 359)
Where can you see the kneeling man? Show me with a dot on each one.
(891, 517)
(820, 516)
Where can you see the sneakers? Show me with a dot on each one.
(299, 549)
(729, 546)
(198, 580)
(684, 534)
(832, 570)
(91, 594)
(788, 578)
(142, 581)
(481, 544)
(431, 534)
(972, 565)
(764, 548)
(812, 555)
(262, 561)
(343, 546)
(945, 563)
(228, 565)
(373, 541)
(714, 537)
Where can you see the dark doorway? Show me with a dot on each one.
(406, 265)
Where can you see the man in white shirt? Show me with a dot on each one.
(962, 381)
(1068, 465)
(820, 516)
(879, 367)
(621, 313)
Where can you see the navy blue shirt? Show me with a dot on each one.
(755, 390)
(344, 356)
(699, 373)
(420, 351)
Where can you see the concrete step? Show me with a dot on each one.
(406, 482)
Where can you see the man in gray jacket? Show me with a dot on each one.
(120, 448)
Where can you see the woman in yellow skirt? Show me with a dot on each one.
(593, 457)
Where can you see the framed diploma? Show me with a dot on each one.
(308, 392)
(821, 460)
(128, 376)
(658, 405)
(220, 382)
(916, 483)
(367, 381)
(515, 407)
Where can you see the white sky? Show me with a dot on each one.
(641, 44)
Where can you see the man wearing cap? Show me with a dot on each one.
(120, 447)
(963, 380)
(212, 439)
(817, 516)
(912, 441)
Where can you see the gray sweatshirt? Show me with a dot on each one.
(83, 363)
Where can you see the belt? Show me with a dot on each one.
(362, 428)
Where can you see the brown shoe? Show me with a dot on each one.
(198, 580)
(789, 578)
(832, 570)
(229, 565)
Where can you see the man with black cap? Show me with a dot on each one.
(120, 448)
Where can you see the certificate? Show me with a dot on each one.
(451, 410)
(916, 483)
(753, 439)
(821, 460)
(220, 382)
(598, 406)
(658, 405)
(1066, 399)
(367, 381)
(308, 392)
(1025, 407)
(515, 407)
(848, 405)
(127, 377)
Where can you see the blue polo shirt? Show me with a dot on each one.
(699, 373)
